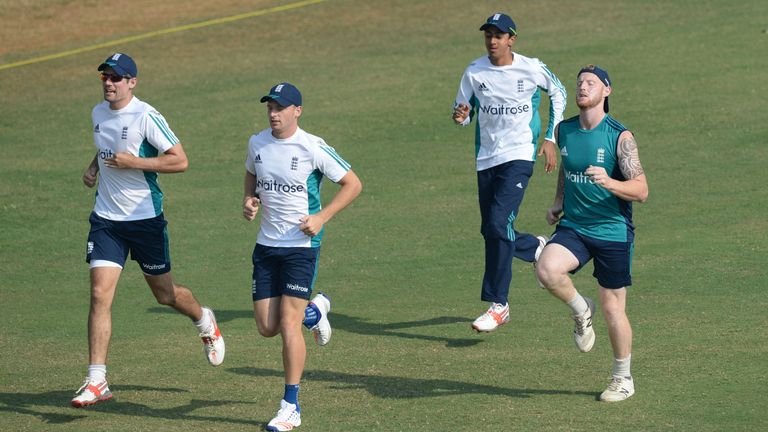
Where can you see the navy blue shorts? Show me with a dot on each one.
(613, 260)
(279, 271)
(146, 240)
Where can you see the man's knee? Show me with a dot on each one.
(165, 295)
(290, 324)
(265, 326)
(267, 330)
(550, 273)
(613, 309)
(100, 293)
(163, 288)
(165, 298)
(103, 284)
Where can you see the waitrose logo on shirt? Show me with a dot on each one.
(577, 177)
(274, 185)
(502, 109)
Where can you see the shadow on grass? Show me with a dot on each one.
(361, 326)
(33, 404)
(407, 388)
(222, 315)
(358, 325)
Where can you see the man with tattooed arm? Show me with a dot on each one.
(600, 177)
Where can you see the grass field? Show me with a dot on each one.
(403, 264)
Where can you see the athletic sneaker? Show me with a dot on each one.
(286, 419)
(213, 342)
(542, 243)
(322, 330)
(496, 315)
(619, 389)
(91, 393)
(583, 334)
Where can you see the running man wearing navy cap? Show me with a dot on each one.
(503, 90)
(134, 143)
(600, 177)
(284, 169)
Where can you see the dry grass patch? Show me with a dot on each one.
(47, 25)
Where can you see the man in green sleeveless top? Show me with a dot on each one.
(600, 177)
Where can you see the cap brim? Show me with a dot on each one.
(118, 70)
(280, 101)
(507, 30)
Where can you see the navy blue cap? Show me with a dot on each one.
(122, 64)
(602, 74)
(285, 94)
(502, 22)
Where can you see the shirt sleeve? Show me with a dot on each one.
(330, 163)
(249, 158)
(557, 99)
(158, 133)
(466, 95)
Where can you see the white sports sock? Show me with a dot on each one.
(578, 305)
(97, 373)
(205, 325)
(621, 367)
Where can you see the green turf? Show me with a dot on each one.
(403, 263)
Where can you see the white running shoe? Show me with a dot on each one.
(542, 242)
(286, 419)
(213, 342)
(91, 393)
(322, 330)
(496, 315)
(583, 334)
(619, 389)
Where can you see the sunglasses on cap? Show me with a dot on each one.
(115, 78)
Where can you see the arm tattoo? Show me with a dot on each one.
(629, 160)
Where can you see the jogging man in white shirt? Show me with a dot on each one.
(502, 90)
(284, 169)
(133, 143)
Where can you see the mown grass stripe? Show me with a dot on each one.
(216, 21)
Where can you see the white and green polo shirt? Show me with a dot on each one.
(288, 174)
(129, 194)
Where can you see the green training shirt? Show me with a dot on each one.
(589, 208)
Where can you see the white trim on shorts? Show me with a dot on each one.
(104, 263)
